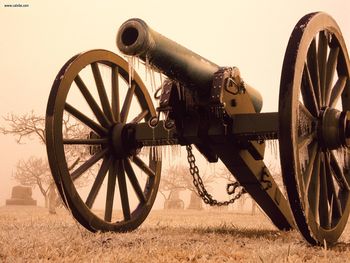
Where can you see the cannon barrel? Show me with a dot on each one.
(136, 38)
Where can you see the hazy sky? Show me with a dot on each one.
(36, 41)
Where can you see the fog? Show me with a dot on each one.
(37, 40)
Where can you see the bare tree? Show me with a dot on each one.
(173, 179)
(35, 172)
(25, 126)
(177, 178)
(30, 126)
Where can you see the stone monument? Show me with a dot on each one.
(174, 201)
(195, 202)
(21, 195)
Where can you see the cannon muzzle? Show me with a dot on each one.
(136, 38)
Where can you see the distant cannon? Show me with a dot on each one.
(212, 108)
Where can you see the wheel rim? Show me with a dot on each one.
(313, 110)
(87, 97)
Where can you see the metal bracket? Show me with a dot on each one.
(265, 174)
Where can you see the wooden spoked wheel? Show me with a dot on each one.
(314, 105)
(102, 177)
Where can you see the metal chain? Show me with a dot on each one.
(202, 191)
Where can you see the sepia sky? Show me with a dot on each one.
(35, 41)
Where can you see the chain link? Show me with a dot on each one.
(202, 191)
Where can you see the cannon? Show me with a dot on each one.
(112, 156)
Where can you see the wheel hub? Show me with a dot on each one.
(123, 140)
(334, 128)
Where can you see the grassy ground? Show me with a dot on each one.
(32, 235)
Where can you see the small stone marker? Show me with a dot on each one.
(174, 202)
(21, 195)
(195, 202)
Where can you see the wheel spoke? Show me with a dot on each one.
(308, 92)
(305, 140)
(102, 92)
(86, 141)
(98, 181)
(140, 116)
(127, 103)
(338, 173)
(144, 167)
(86, 120)
(134, 182)
(314, 155)
(115, 93)
(313, 191)
(337, 91)
(112, 176)
(92, 103)
(312, 64)
(322, 63)
(123, 191)
(306, 113)
(331, 67)
(335, 202)
(307, 134)
(324, 197)
(89, 163)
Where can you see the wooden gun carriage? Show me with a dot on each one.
(212, 108)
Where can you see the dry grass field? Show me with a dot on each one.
(30, 234)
